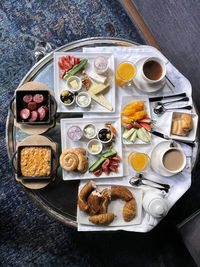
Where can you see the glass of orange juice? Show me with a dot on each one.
(140, 162)
(125, 73)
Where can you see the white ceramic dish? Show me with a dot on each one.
(67, 143)
(143, 85)
(85, 133)
(116, 207)
(128, 99)
(94, 142)
(60, 84)
(192, 134)
(155, 158)
(67, 105)
(86, 95)
(79, 82)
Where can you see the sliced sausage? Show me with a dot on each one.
(27, 98)
(34, 116)
(25, 114)
(42, 113)
(38, 98)
(32, 105)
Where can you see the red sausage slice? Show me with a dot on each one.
(34, 116)
(25, 114)
(27, 98)
(42, 113)
(32, 105)
(38, 98)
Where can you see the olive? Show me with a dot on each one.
(65, 93)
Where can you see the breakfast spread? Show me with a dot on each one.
(96, 203)
(93, 148)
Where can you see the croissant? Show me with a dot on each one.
(119, 191)
(129, 210)
(83, 195)
(102, 219)
(93, 202)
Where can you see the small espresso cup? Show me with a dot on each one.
(173, 160)
(153, 70)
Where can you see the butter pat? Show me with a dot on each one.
(97, 78)
(95, 148)
(74, 84)
(98, 88)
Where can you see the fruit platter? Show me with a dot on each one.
(112, 134)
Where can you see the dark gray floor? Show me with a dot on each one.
(175, 25)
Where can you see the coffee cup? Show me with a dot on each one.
(173, 160)
(153, 70)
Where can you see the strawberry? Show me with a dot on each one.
(146, 126)
(129, 126)
(136, 125)
(146, 120)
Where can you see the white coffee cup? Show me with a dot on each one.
(155, 205)
(173, 159)
(161, 63)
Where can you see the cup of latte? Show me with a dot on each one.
(173, 160)
(153, 70)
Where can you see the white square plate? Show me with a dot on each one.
(60, 84)
(116, 207)
(128, 99)
(68, 143)
(192, 134)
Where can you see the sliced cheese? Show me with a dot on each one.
(100, 99)
(97, 78)
(74, 84)
(98, 88)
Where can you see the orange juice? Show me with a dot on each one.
(139, 161)
(125, 73)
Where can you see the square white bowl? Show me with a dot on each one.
(192, 134)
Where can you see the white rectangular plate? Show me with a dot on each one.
(116, 207)
(192, 134)
(128, 99)
(60, 84)
(68, 143)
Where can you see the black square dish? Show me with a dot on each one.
(33, 107)
(30, 165)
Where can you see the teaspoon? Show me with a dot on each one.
(160, 109)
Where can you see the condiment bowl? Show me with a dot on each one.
(74, 133)
(100, 132)
(87, 132)
(94, 142)
(67, 104)
(79, 82)
(80, 98)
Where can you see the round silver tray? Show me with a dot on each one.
(59, 199)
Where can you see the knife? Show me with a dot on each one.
(164, 136)
(159, 98)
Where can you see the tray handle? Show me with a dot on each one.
(57, 162)
(12, 159)
(55, 106)
(10, 106)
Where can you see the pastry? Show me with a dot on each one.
(83, 195)
(183, 125)
(129, 210)
(93, 202)
(119, 191)
(69, 162)
(106, 197)
(102, 219)
(74, 159)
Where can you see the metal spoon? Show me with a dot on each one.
(161, 109)
(174, 101)
(140, 182)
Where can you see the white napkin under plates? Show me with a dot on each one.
(179, 183)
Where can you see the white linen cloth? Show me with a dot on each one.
(179, 183)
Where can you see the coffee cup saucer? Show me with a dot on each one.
(143, 85)
(155, 158)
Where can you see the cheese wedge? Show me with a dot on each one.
(97, 78)
(100, 99)
(98, 88)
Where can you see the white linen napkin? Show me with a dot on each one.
(179, 183)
